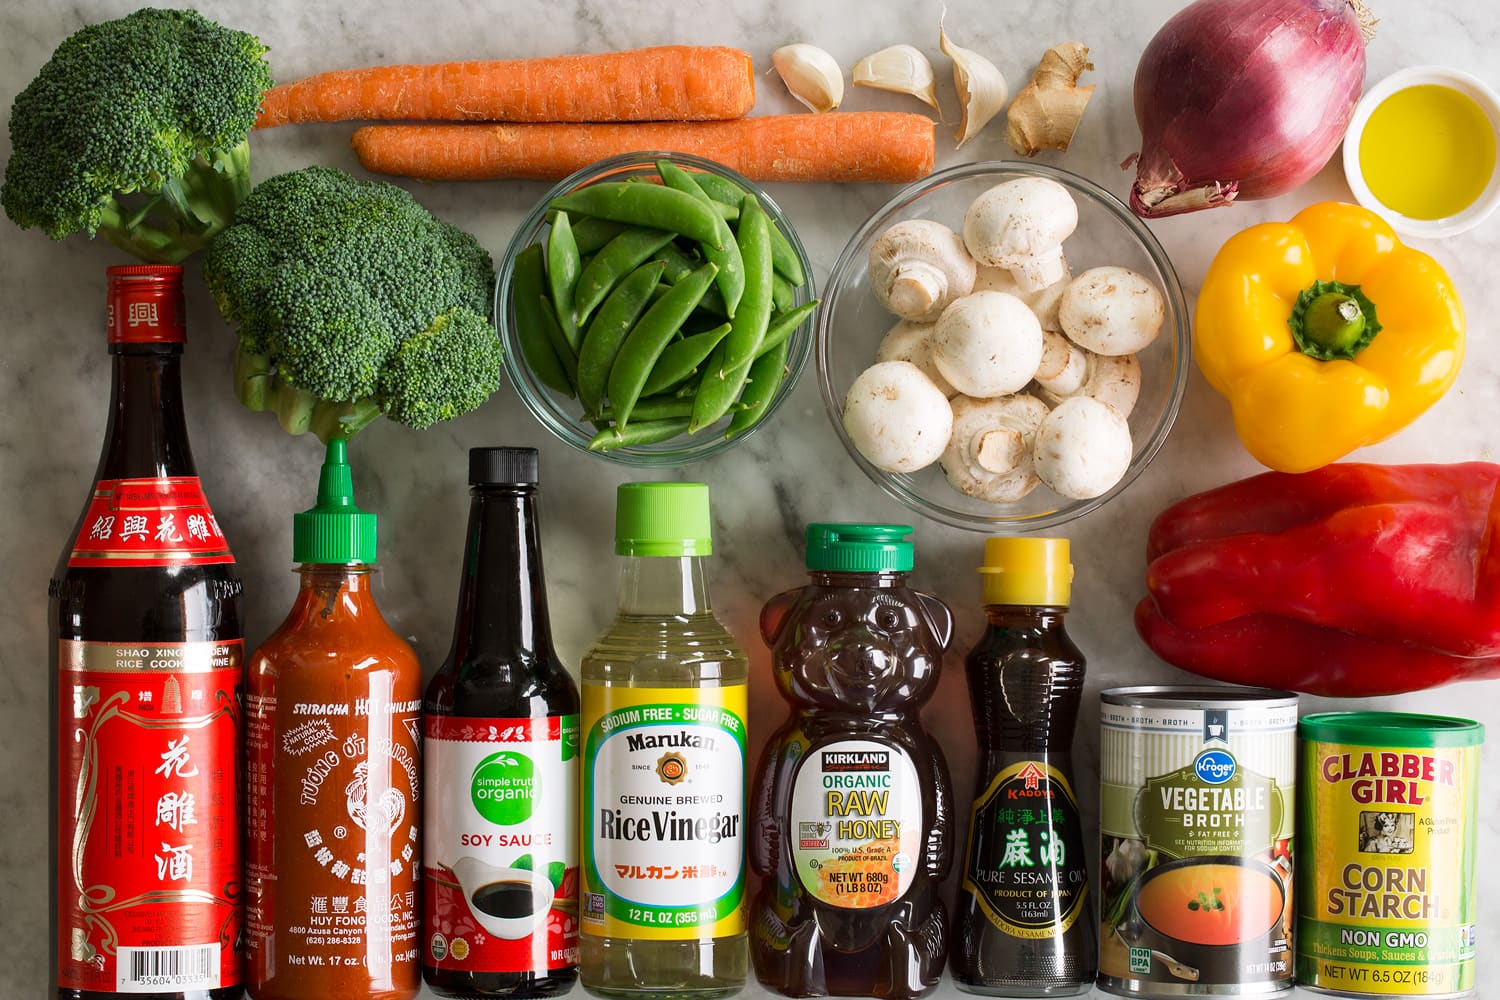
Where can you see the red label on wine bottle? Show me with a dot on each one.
(148, 844)
(149, 522)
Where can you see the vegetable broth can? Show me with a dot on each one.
(1386, 903)
(1198, 794)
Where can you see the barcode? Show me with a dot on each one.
(145, 970)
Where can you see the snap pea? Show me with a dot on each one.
(649, 408)
(679, 360)
(609, 328)
(651, 334)
(679, 264)
(782, 293)
(644, 205)
(731, 278)
(610, 265)
(591, 234)
(712, 301)
(728, 211)
(727, 192)
(722, 382)
(783, 325)
(560, 345)
(764, 378)
(645, 432)
(527, 289)
(563, 265)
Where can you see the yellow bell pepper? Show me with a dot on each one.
(1326, 333)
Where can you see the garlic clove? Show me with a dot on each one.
(981, 88)
(902, 69)
(811, 74)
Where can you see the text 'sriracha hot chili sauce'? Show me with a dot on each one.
(500, 872)
(333, 729)
(146, 669)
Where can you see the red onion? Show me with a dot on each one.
(1244, 99)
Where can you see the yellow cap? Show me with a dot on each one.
(1027, 572)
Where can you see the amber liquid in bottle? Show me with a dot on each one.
(502, 671)
(140, 605)
(1025, 683)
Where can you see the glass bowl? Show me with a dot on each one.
(852, 323)
(563, 416)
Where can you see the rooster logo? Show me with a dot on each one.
(384, 814)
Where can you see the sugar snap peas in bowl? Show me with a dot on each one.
(656, 309)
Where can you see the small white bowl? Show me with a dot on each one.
(1477, 90)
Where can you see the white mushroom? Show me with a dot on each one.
(1064, 365)
(1045, 303)
(908, 341)
(996, 279)
(896, 417)
(1111, 310)
(1020, 225)
(1116, 381)
(1083, 448)
(989, 455)
(987, 344)
(919, 266)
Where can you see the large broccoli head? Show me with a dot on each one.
(139, 129)
(352, 300)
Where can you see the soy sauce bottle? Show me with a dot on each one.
(146, 669)
(500, 860)
(1021, 926)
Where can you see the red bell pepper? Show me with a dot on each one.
(1349, 581)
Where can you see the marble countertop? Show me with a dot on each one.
(54, 376)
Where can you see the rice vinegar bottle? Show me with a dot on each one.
(664, 707)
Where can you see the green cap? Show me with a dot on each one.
(663, 519)
(1392, 729)
(859, 548)
(334, 530)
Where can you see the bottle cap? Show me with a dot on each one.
(494, 466)
(145, 304)
(1027, 572)
(334, 530)
(663, 519)
(859, 548)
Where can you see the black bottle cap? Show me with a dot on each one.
(489, 466)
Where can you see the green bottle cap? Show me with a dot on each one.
(663, 519)
(334, 530)
(859, 548)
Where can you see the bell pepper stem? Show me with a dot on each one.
(1332, 321)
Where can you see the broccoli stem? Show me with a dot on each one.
(343, 420)
(253, 380)
(294, 407)
(187, 213)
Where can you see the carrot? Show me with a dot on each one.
(844, 146)
(671, 82)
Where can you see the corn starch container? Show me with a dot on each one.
(1198, 801)
(1386, 902)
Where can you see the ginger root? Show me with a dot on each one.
(1045, 114)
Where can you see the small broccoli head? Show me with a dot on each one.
(446, 370)
(355, 297)
(138, 128)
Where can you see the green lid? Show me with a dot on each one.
(334, 530)
(1391, 729)
(859, 548)
(663, 519)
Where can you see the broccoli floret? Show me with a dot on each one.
(353, 301)
(139, 129)
(447, 369)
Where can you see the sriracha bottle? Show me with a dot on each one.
(146, 669)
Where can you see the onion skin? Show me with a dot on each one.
(1243, 99)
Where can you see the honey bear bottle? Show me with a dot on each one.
(851, 802)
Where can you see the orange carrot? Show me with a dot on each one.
(671, 83)
(844, 146)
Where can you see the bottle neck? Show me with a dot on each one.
(147, 433)
(335, 594)
(883, 578)
(663, 585)
(502, 597)
(1018, 616)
